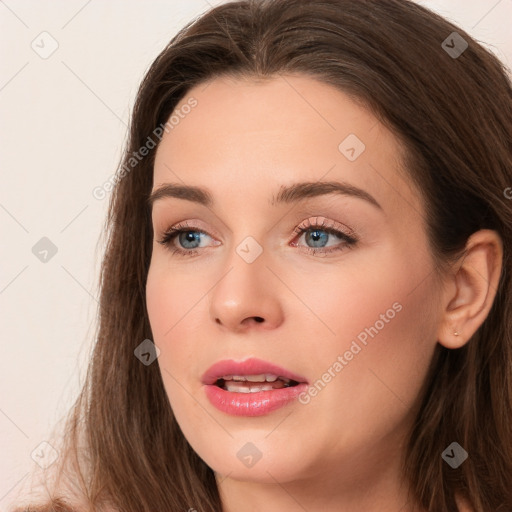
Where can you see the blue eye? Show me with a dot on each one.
(320, 237)
(188, 239)
(318, 233)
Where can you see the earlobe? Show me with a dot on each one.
(473, 286)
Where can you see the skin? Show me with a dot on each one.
(341, 451)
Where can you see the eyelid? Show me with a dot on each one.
(334, 228)
(192, 225)
(325, 224)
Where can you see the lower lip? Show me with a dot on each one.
(252, 404)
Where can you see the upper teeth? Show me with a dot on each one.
(255, 378)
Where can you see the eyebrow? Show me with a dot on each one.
(287, 194)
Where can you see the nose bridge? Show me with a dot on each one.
(246, 270)
(248, 234)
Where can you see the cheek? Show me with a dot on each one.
(172, 302)
(177, 306)
(371, 292)
(161, 307)
(172, 298)
(378, 318)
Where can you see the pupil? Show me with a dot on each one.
(317, 234)
(190, 236)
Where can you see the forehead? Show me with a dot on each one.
(253, 135)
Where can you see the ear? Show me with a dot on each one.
(471, 288)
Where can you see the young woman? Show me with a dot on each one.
(306, 293)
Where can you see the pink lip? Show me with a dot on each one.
(250, 404)
(250, 366)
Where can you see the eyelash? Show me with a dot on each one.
(173, 232)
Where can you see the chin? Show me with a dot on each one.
(241, 460)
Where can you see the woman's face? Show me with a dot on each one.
(356, 320)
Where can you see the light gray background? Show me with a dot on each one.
(63, 123)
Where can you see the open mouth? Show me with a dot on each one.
(253, 383)
(252, 387)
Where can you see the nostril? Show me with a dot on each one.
(258, 319)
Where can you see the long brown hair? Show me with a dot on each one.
(453, 115)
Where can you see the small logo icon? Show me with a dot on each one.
(44, 45)
(146, 352)
(454, 45)
(44, 250)
(454, 455)
(352, 147)
(44, 455)
(249, 249)
(249, 454)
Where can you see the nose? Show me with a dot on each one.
(248, 296)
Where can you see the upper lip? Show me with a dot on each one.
(250, 366)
